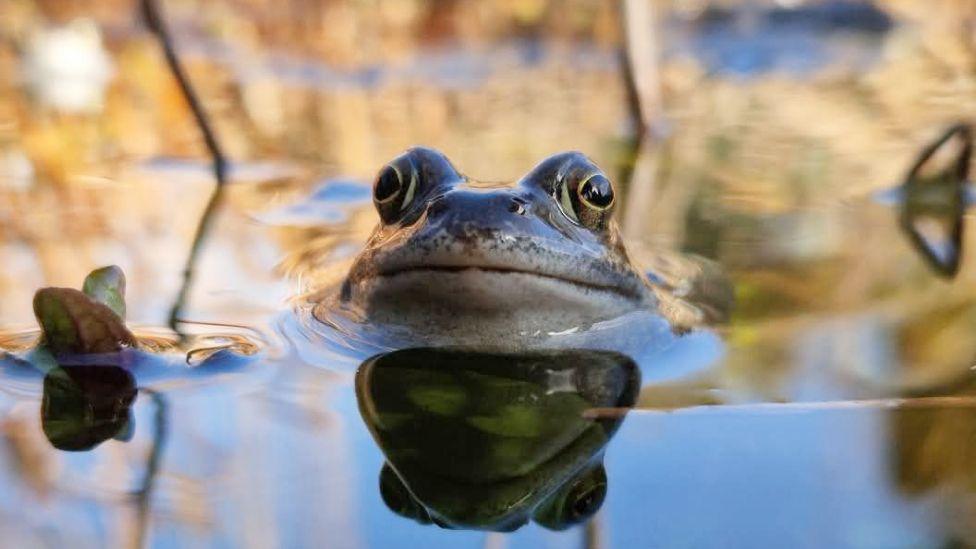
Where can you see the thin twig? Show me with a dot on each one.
(593, 534)
(642, 79)
(641, 69)
(144, 493)
(643, 184)
(935, 402)
(203, 229)
(154, 20)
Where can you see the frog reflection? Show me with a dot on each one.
(489, 441)
(83, 406)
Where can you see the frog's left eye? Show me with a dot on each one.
(394, 189)
(396, 496)
(388, 184)
(596, 192)
(587, 200)
(576, 502)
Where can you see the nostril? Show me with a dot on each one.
(517, 206)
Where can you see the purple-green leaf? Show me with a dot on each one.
(73, 322)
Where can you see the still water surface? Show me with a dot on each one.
(820, 398)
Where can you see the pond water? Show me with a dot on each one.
(820, 391)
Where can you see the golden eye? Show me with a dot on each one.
(596, 192)
(588, 201)
(389, 194)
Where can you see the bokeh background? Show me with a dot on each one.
(773, 112)
(774, 126)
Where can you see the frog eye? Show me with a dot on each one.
(587, 201)
(394, 189)
(396, 496)
(596, 192)
(388, 184)
(576, 502)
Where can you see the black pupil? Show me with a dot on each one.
(387, 184)
(597, 191)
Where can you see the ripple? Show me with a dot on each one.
(162, 362)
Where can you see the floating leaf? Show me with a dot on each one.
(934, 199)
(72, 322)
(42, 359)
(107, 285)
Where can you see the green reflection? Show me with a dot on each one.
(491, 440)
(84, 406)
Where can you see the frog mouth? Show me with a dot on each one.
(492, 270)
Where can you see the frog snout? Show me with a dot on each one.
(462, 213)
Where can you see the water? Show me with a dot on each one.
(822, 399)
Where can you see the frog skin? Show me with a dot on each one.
(489, 441)
(540, 256)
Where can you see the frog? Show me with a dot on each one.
(490, 264)
(491, 440)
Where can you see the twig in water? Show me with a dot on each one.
(642, 72)
(154, 20)
(793, 407)
(152, 466)
(642, 79)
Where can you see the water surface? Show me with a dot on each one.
(826, 401)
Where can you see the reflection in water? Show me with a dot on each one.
(489, 441)
(87, 429)
(933, 454)
(84, 406)
(757, 176)
(934, 200)
(154, 20)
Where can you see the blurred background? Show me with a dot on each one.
(772, 113)
(774, 130)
